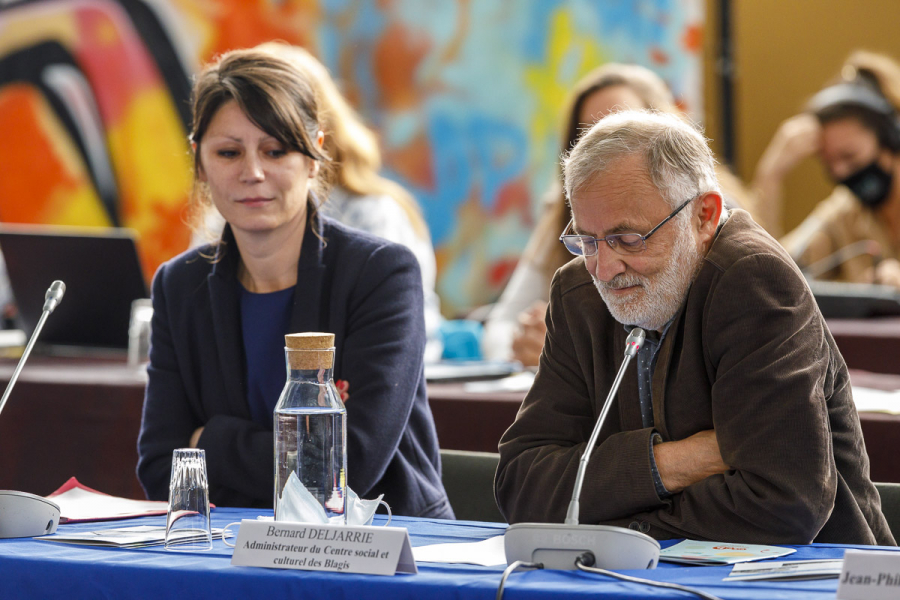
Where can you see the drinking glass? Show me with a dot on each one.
(187, 524)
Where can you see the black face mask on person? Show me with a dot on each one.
(871, 184)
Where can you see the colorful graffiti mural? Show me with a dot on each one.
(89, 107)
(466, 96)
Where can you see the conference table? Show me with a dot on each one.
(32, 568)
(80, 416)
(868, 344)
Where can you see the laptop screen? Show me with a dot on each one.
(102, 273)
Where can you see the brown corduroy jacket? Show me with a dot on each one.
(748, 355)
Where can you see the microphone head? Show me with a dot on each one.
(635, 341)
(54, 295)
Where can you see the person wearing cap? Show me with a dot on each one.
(854, 128)
(221, 311)
(737, 422)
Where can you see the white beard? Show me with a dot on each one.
(658, 297)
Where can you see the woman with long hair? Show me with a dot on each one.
(221, 311)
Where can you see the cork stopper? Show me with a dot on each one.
(317, 350)
(311, 340)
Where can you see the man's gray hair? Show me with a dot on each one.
(678, 159)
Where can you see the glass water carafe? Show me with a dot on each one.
(311, 425)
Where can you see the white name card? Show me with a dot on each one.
(317, 547)
(870, 575)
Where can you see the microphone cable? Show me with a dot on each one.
(580, 563)
(518, 564)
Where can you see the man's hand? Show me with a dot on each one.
(796, 139)
(688, 461)
(528, 341)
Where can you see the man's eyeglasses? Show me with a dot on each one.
(623, 243)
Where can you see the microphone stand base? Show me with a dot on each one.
(558, 546)
(26, 515)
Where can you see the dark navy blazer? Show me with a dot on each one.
(365, 290)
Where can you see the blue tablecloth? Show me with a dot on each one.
(40, 569)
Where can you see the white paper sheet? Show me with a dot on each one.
(78, 504)
(869, 400)
(794, 569)
(140, 536)
(486, 553)
(520, 382)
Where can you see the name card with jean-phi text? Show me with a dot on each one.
(870, 575)
(317, 547)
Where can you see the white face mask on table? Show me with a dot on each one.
(300, 506)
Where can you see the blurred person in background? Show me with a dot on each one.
(852, 126)
(515, 326)
(358, 195)
(221, 311)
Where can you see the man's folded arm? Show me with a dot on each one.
(770, 414)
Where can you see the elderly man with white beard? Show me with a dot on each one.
(739, 423)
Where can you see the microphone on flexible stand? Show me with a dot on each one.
(842, 255)
(23, 514)
(560, 546)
